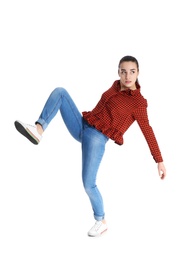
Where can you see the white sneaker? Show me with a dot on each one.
(97, 230)
(28, 131)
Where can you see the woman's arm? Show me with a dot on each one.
(141, 117)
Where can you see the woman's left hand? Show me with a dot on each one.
(161, 170)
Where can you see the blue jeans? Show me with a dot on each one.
(92, 142)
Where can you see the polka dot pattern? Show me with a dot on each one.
(117, 110)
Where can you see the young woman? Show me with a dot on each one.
(118, 108)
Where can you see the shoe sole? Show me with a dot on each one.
(99, 235)
(25, 133)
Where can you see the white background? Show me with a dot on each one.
(44, 211)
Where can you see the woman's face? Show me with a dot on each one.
(128, 73)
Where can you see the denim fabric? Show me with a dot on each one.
(92, 142)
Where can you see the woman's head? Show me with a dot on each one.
(128, 70)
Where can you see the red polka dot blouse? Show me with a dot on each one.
(117, 110)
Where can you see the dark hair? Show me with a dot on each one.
(129, 58)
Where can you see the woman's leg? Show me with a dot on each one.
(93, 147)
(60, 99)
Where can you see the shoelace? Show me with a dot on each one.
(97, 225)
(30, 125)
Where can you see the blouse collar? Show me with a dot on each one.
(130, 91)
